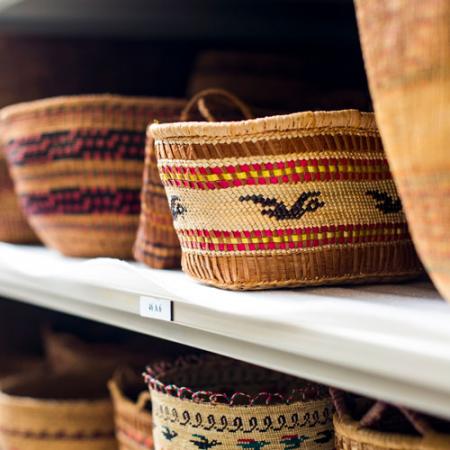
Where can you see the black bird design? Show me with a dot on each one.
(203, 443)
(168, 434)
(176, 207)
(385, 203)
(326, 437)
(307, 202)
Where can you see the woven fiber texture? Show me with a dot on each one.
(65, 352)
(13, 225)
(40, 411)
(194, 408)
(133, 417)
(77, 163)
(407, 54)
(294, 200)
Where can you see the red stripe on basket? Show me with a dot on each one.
(60, 435)
(290, 238)
(278, 172)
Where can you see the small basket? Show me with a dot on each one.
(66, 352)
(77, 164)
(403, 430)
(296, 200)
(407, 56)
(194, 407)
(40, 411)
(132, 411)
(13, 226)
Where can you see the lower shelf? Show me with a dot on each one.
(386, 341)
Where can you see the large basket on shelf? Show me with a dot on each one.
(13, 226)
(385, 427)
(295, 200)
(407, 56)
(210, 402)
(40, 411)
(132, 410)
(77, 164)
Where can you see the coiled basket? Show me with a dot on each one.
(407, 55)
(39, 411)
(77, 163)
(295, 200)
(132, 410)
(13, 226)
(209, 402)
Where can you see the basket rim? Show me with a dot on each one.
(310, 392)
(41, 105)
(251, 129)
(349, 428)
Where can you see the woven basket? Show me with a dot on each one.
(41, 411)
(407, 55)
(132, 411)
(13, 225)
(295, 200)
(65, 352)
(193, 407)
(384, 427)
(77, 164)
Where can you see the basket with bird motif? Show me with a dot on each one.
(77, 164)
(14, 227)
(132, 410)
(295, 200)
(207, 402)
(407, 55)
(364, 424)
(41, 411)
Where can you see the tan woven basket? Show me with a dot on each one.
(407, 54)
(77, 164)
(295, 200)
(384, 427)
(133, 417)
(13, 225)
(41, 411)
(194, 407)
(66, 352)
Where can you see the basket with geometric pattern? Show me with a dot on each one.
(208, 402)
(294, 200)
(14, 227)
(132, 410)
(77, 164)
(362, 424)
(40, 411)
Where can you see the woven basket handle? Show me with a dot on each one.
(143, 400)
(199, 101)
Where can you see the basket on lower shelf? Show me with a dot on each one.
(14, 227)
(407, 57)
(77, 164)
(51, 412)
(132, 411)
(360, 424)
(194, 407)
(295, 200)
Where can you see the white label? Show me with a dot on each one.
(156, 308)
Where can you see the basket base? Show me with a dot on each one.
(364, 263)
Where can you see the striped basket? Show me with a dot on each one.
(295, 200)
(407, 55)
(40, 411)
(13, 225)
(77, 164)
(133, 418)
(194, 408)
(385, 427)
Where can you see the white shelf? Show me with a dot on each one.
(387, 341)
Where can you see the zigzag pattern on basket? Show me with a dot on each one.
(83, 201)
(87, 144)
